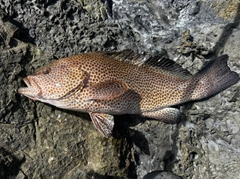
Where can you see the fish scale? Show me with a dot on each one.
(114, 83)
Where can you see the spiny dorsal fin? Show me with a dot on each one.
(127, 55)
(157, 62)
(167, 65)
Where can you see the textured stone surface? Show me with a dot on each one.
(38, 140)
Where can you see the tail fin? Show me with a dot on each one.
(215, 77)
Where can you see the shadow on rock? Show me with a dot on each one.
(9, 164)
(122, 128)
(95, 175)
(161, 175)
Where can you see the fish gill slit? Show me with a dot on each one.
(73, 91)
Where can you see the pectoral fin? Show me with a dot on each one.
(107, 90)
(166, 115)
(103, 123)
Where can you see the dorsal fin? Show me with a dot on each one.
(127, 55)
(167, 65)
(156, 62)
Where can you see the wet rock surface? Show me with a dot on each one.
(41, 141)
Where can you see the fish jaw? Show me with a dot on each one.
(32, 91)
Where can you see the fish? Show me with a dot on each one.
(105, 84)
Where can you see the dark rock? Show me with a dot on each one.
(161, 175)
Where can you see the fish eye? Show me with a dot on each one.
(46, 71)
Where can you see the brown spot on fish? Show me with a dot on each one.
(114, 83)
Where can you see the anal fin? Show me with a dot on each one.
(166, 115)
(103, 123)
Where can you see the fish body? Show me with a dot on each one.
(105, 84)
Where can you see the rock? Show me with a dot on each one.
(43, 141)
(161, 175)
(47, 140)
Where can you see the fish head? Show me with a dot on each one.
(54, 82)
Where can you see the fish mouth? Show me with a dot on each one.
(27, 82)
(32, 90)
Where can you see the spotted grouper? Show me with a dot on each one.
(104, 84)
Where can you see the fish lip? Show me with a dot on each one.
(26, 91)
(27, 82)
(21, 90)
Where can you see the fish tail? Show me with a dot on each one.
(215, 77)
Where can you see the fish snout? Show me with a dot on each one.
(32, 90)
